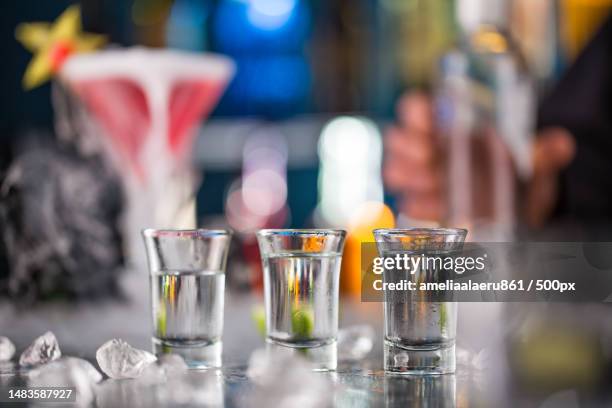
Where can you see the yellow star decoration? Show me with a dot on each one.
(51, 44)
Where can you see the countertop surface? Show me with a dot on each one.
(534, 355)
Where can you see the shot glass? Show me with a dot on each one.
(301, 278)
(420, 330)
(187, 275)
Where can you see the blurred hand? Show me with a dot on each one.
(414, 165)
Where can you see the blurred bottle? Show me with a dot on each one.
(580, 20)
(368, 217)
(485, 109)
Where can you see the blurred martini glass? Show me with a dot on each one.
(148, 105)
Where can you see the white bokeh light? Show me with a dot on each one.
(350, 153)
(264, 192)
(270, 14)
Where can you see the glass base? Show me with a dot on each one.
(419, 360)
(197, 355)
(322, 358)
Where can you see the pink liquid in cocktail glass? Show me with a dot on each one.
(138, 94)
(148, 104)
(121, 107)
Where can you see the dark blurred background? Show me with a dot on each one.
(300, 63)
(297, 138)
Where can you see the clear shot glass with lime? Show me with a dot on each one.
(301, 280)
(420, 329)
(187, 275)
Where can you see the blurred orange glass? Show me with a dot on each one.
(368, 217)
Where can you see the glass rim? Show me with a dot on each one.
(301, 232)
(177, 232)
(413, 231)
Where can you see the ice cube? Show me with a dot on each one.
(118, 359)
(152, 374)
(43, 350)
(285, 380)
(68, 372)
(355, 342)
(7, 349)
(173, 364)
(264, 367)
(93, 374)
(69, 363)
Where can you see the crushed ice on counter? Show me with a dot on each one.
(43, 350)
(285, 380)
(192, 388)
(68, 365)
(7, 349)
(355, 342)
(121, 393)
(176, 385)
(168, 366)
(473, 361)
(118, 359)
(68, 372)
(474, 364)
